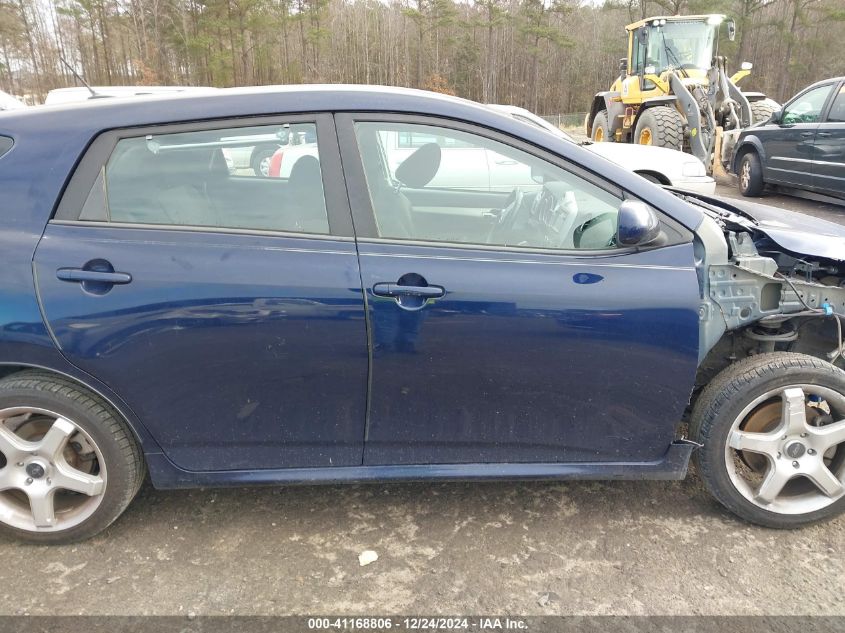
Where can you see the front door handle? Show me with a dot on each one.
(808, 134)
(395, 290)
(81, 275)
(824, 134)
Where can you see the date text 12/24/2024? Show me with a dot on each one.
(417, 624)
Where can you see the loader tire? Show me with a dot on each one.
(601, 128)
(661, 126)
(761, 111)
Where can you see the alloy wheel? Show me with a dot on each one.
(784, 451)
(745, 175)
(54, 475)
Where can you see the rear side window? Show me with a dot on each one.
(264, 177)
(5, 144)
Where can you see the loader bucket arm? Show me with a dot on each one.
(700, 145)
(744, 106)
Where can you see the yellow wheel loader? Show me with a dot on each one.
(673, 91)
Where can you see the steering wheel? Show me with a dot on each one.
(507, 219)
(601, 217)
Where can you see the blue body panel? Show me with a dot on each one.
(238, 351)
(671, 465)
(530, 357)
(243, 355)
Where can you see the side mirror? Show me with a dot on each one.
(776, 116)
(731, 30)
(638, 224)
(623, 66)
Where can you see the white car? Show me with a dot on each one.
(80, 93)
(255, 157)
(8, 102)
(659, 164)
(470, 166)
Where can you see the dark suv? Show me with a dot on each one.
(801, 147)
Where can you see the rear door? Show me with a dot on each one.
(225, 309)
(789, 146)
(829, 148)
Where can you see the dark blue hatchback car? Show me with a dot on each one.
(430, 290)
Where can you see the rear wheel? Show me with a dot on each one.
(662, 126)
(750, 175)
(69, 465)
(773, 430)
(601, 128)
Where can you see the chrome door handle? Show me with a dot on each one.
(80, 274)
(395, 290)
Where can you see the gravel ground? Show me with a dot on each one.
(529, 548)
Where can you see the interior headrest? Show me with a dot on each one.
(419, 168)
(306, 171)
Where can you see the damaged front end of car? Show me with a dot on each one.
(770, 281)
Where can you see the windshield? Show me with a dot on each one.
(681, 45)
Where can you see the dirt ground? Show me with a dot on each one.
(485, 548)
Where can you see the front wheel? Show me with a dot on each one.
(260, 161)
(662, 126)
(750, 175)
(69, 465)
(773, 434)
(601, 128)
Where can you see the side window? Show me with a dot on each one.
(837, 110)
(6, 144)
(465, 188)
(638, 62)
(808, 107)
(210, 178)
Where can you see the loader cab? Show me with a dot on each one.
(660, 44)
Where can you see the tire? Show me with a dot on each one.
(761, 111)
(650, 177)
(261, 156)
(661, 126)
(104, 456)
(601, 128)
(746, 481)
(750, 175)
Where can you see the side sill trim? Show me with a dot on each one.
(672, 466)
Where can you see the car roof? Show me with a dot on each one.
(821, 82)
(224, 103)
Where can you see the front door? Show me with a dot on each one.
(224, 307)
(518, 332)
(789, 146)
